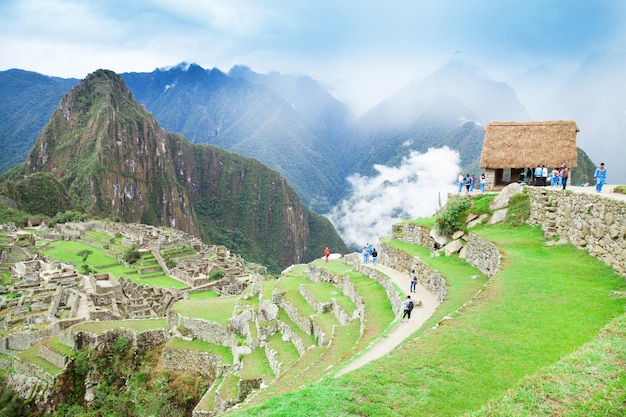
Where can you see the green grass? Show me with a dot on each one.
(200, 295)
(218, 310)
(543, 304)
(54, 344)
(286, 352)
(135, 325)
(589, 382)
(325, 292)
(256, 365)
(160, 281)
(31, 355)
(66, 251)
(201, 346)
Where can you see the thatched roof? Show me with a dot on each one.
(526, 144)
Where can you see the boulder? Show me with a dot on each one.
(498, 216)
(502, 200)
(453, 247)
(440, 240)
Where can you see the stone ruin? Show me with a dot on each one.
(46, 297)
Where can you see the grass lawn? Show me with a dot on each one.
(218, 310)
(67, 251)
(200, 295)
(136, 325)
(543, 304)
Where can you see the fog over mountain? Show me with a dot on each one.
(394, 159)
(417, 187)
(594, 96)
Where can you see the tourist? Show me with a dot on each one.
(537, 175)
(461, 181)
(600, 177)
(554, 179)
(544, 175)
(413, 281)
(564, 173)
(483, 180)
(326, 253)
(472, 183)
(468, 180)
(407, 305)
(365, 254)
(374, 256)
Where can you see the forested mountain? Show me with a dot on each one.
(294, 126)
(112, 159)
(27, 100)
(287, 123)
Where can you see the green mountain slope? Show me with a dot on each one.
(114, 160)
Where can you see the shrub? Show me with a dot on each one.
(132, 255)
(217, 275)
(448, 220)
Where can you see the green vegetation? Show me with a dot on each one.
(449, 220)
(134, 325)
(132, 384)
(518, 210)
(132, 255)
(218, 310)
(474, 355)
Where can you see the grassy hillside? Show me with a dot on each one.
(545, 303)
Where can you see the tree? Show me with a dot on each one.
(84, 254)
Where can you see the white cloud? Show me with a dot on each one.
(415, 188)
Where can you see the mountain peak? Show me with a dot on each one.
(459, 67)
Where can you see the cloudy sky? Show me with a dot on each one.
(363, 50)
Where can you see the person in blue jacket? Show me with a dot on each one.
(600, 177)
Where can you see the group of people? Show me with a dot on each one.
(541, 176)
(469, 182)
(558, 177)
(369, 252)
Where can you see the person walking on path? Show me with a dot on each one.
(326, 253)
(413, 281)
(374, 256)
(564, 174)
(600, 177)
(365, 254)
(407, 305)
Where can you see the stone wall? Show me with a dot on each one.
(356, 261)
(208, 331)
(413, 233)
(481, 253)
(589, 221)
(77, 339)
(192, 360)
(402, 261)
(476, 251)
(57, 359)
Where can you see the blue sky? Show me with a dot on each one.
(363, 51)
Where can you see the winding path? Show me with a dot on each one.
(385, 344)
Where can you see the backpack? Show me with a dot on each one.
(410, 305)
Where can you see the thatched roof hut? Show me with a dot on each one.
(526, 144)
(510, 147)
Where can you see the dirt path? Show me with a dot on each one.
(401, 331)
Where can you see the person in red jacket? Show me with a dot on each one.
(326, 253)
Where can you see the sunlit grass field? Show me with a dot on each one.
(545, 303)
